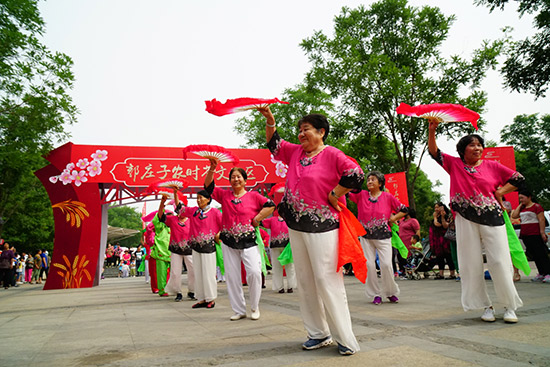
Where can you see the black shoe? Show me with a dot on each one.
(282, 290)
(179, 297)
(191, 295)
(289, 290)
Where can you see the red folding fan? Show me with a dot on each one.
(172, 183)
(166, 191)
(217, 108)
(277, 189)
(444, 112)
(212, 151)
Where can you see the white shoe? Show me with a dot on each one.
(255, 314)
(510, 316)
(489, 314)
(236, 317)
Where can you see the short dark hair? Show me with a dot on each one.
(525, 192)
(316, 120)
(416, 237)
(206, 195)
(379, 176)
(241, 170)
(465, 141)
(411, 212)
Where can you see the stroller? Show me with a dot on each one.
(420, 262)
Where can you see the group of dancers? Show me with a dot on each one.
(319, 179)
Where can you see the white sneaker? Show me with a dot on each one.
(255, 314)
(489, 314)
(237, 316)
(510, 316)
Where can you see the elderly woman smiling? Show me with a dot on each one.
(318, 177)
(477, 189)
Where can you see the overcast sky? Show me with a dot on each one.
(144, 68)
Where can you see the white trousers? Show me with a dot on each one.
(277, 278)
(253, 265)
(385, 253)
(147, 271)
(206, 287)
(322, 294)
(176, 267)
(472, 238)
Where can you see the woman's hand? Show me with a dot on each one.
(433, 123)
(255, 222)
(213, 164)
(266, 112)
(333, 200)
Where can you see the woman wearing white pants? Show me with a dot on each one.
(241, 211)
(377, 209)
(477, 188)
(278, 239)
(205, 223)
(318, 176)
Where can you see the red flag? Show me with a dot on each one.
(349, 247)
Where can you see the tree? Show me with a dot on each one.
(530, 135)
(387, 54)
(125, 217)
(34, 108)
(527, 67)
(129, 218)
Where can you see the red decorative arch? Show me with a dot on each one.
(83, 180)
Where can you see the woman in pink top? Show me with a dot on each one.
(277, 243)
(242, 211)
(180, 251)
(318, 177)
(377, 210)
(477, 189)
(205, 224)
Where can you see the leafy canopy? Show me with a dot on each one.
(530, 135)
(527, 67)
(34, 109)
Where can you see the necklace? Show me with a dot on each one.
(315, 152)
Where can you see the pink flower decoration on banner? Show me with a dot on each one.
(82, 163)
(281, 169)
(70, 167)
(79, 177)
(54, 179)
(94, 168)
(99, 155)
(65, 177)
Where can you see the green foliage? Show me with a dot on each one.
(527, 67)
(387, 54)
(129, 218)
(34, 108)
(125, 217)
(530, 135)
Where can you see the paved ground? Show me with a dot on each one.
(121, 323)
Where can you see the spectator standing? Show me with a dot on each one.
(532, 232)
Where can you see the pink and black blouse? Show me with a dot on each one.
(279, 231)
(473, 188)
(237, 213)
(179, 235)
(204, 225)
(305, 206)
(374, 213)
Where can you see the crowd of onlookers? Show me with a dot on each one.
(20, 268)
(128, 260)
